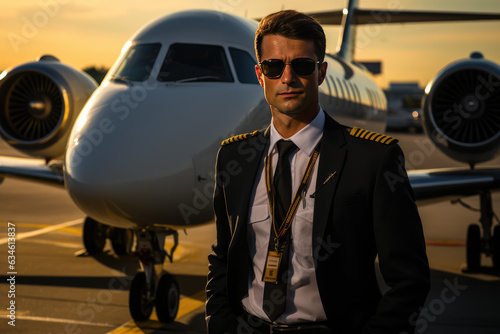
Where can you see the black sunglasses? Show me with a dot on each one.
(273, 68)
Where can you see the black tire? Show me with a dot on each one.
(167, 298)
(473, 247)
(122, 240)
(94, 236)
(139, 306)
(496, 247)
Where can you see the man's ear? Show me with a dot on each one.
(259, 75)
(322, 72)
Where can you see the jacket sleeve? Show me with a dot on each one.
(220, 318)
(401, 248)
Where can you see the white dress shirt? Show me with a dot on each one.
(303, 300)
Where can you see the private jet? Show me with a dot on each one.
(137, 153)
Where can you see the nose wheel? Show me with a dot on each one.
(95, 235)
(473, 248)
(141, 300)
(496, 247)
(153, 288)
(167, 298)
(122, 240)
(489, 242)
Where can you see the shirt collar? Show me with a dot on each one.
(307, 138)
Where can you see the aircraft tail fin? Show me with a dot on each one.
(351, 16)
(347, 41)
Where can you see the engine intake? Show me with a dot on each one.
(39, 102)
(461, 110)
(34, 107)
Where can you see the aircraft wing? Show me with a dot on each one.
(375, 16)
(436, 184)
(427, 184)
(32, 170)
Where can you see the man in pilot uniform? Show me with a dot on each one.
(304, 207)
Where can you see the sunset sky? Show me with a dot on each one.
(84, 33)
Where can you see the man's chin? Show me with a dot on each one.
(291, 109)
(292, 113)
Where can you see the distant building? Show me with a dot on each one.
(404, 110)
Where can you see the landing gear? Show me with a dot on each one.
(473, 247)
(140, 299)
(122, 240)
(167, 298)
(95, 235)
(489, 243)
(150, 288)
(496, 247)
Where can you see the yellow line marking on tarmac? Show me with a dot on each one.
(20, 236)
(57, 320)
(189, 304)
(72, 245)
(186, 306)
(71, 230)
(143, 327)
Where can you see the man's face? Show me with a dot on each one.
(290, 94)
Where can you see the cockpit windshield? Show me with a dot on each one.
(137, 63)
(195, 62)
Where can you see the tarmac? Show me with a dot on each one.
(58, 289)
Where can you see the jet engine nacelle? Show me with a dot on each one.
(461, 109)
(39, 102)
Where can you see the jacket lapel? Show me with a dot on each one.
(259, 145)
(332, 157)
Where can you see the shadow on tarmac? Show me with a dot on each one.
(188, 284)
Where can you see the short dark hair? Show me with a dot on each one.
(294, 25)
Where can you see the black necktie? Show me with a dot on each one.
(275, 293)
(283, 180)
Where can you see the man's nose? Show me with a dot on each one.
(288, 75)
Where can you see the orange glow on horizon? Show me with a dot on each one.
(92, 33)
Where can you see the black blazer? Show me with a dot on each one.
(366, 209)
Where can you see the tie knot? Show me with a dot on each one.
(285, 148)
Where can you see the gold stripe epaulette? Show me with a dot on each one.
(239, 137)
(373, 136)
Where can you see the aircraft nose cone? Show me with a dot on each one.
(126, 172)
(144, 154)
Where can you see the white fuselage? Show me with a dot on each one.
(142, 152)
